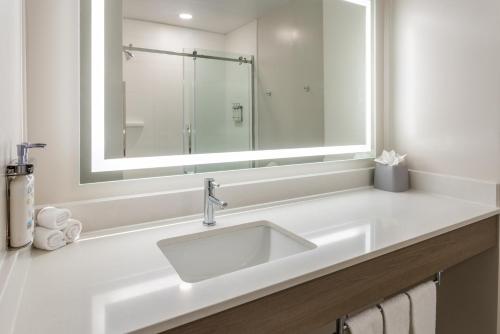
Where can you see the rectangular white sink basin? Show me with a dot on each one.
(200, 256)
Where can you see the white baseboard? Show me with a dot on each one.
(487, 193)
(135, 209)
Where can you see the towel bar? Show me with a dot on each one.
(342, 328)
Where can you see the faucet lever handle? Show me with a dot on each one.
(22, 151)
(211, 184)
(35, 145)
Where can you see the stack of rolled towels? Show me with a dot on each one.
(55, 228)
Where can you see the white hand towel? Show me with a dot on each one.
(396, 312)
(48, 239)
(367, 322)
(423, 301)
(72, 231)
(53, 218)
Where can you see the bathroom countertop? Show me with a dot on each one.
(119, 281)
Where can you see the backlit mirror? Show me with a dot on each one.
(185, 86)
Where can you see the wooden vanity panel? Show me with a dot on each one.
(314, 304)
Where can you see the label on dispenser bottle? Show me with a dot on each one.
(30, 202)
(21, 211)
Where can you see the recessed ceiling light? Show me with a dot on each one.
(185, 16)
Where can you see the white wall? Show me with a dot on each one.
(11, 96)
(445, 88)
(445, 79)
(243, 40)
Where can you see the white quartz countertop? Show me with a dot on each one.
(119, 281)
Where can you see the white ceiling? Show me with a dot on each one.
(221, 16)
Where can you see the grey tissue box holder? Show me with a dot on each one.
(392, 178)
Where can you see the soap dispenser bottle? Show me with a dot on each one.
(21, 197)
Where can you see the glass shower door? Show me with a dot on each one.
(218, 107)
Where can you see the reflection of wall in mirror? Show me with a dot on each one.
(290, 76)
(311, 76)
(344, 27)
(114, 78)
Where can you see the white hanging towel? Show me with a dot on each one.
(423, 302)
(396, 313)
(367, 322)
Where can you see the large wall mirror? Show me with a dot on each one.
(187, 86)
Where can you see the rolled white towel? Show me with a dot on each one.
(53, 218)
(48, 239)
(72, 231)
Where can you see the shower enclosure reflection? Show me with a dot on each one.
(215, 113)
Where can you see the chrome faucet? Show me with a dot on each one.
(209, 201)
(22, 152)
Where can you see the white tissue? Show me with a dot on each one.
(390, 158)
